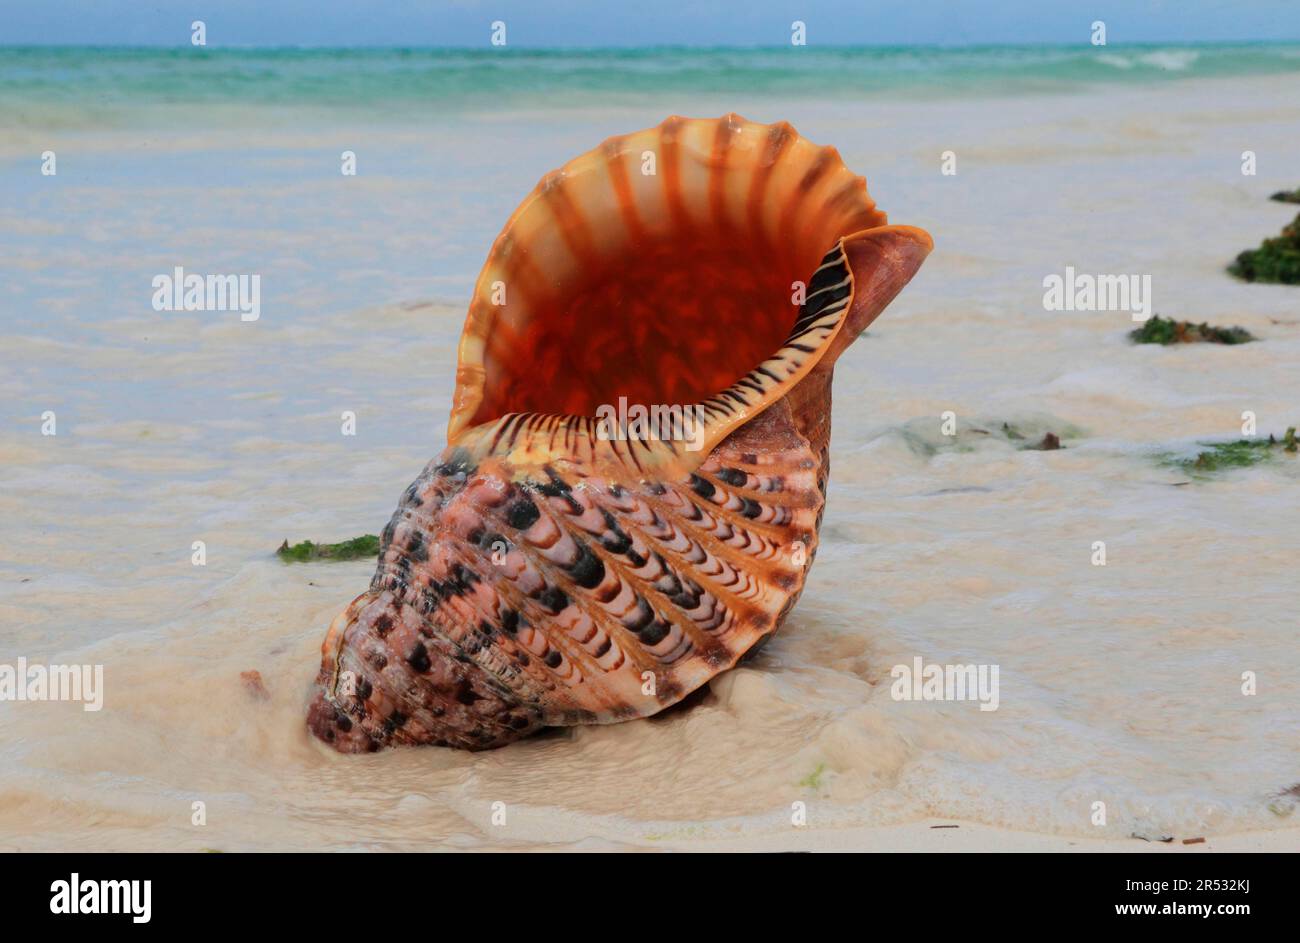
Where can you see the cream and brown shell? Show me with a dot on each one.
(543, 572)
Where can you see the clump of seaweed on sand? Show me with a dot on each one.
(357, 548)
(1241, 453)
(1158, 330)
(1276, 259)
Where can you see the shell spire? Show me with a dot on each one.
(637, 453)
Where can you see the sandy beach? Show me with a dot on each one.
(1121, 684)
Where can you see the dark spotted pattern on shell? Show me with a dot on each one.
(500, 606)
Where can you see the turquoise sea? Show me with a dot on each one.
(73, 85)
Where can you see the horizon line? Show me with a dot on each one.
(675, 47)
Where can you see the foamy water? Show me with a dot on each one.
(1120, 684)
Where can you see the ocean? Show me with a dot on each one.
(1120, 684)
(102, 86)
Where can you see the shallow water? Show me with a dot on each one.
(63, 86)
(1119, 684)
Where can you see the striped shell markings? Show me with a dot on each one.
(551, 569)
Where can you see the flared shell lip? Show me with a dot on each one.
(471, 375)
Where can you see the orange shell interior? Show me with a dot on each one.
(660, 266)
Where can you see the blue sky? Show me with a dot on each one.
(535, 23)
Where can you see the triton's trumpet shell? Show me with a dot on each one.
(543, 572)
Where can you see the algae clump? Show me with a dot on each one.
(1242, 453)
(355, 549)
(1158, 330)
(1276, 259)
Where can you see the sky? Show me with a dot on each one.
(587, 23)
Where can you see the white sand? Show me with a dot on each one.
(1119, 684)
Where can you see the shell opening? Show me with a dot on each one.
(661, 267)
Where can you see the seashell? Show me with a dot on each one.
(552, 567)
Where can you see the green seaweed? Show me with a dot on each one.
(1276, 259)
(814, 779)
(1158, 330)
(306, 552)
(1287, 196)
(1242, 453)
